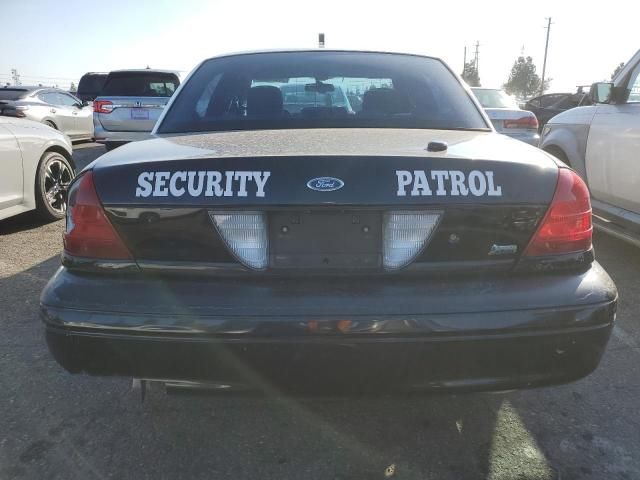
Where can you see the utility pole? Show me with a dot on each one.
(15, 76)
(464, 63)
(546, 48)
(477, 56)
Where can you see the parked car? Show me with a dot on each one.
(53, 107)
(506, 116)
(602, 143)
(298, 97)
(406, 246)
(37, 169)
(130, 103)
(548, 106)
(90, 86)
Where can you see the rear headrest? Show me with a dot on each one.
(386, 101)
(264, 100)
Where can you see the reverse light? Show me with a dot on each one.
(530, 122)
(245, 234)
(89, 232)
(406, 233)
(566, 227)
(102, 106)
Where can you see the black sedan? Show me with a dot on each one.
(396, 245)
(545, 107)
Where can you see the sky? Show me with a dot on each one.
(56, 41)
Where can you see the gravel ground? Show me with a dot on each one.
(55, 425)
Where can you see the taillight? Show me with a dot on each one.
(15, 111)
(88, 232)
(530, 121)
(245, 233)
(102, 106)
(405, 236)
(566, 227)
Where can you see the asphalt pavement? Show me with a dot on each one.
(55, 425)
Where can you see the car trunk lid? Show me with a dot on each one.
(499, 116)
(330, 210)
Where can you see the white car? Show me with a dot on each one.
(507, 117)
(36, 166)
(602, 143)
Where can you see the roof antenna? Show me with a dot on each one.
(321, 40)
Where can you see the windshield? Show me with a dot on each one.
(13, 93)
(91, 83)
(494, 98)
(321, 90)
(134, 84)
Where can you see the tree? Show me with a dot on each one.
(523, 79)
(72, 87)
(470, 74)
(618, 68)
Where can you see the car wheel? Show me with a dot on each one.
(49, 123)
(52, 182)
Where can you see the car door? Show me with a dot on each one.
(565, 103)
(82, 116)
(613, 149)
(549, 108)
(11, 178)
(68, 112)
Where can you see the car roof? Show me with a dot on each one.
(20, 87)
(316, 50)
(31, 88)
(144, 70)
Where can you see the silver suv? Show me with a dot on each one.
(130, 103)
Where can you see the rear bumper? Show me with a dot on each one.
(117, 137)
(379, 342)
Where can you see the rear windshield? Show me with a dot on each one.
(140, 85)
(494, 98)
(321, 90)
(13, 93)
(91, 83)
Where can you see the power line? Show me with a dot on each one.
(49, 78)
(37, 76)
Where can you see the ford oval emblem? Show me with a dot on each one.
(325, 184)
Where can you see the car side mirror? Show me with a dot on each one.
(601, 92)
